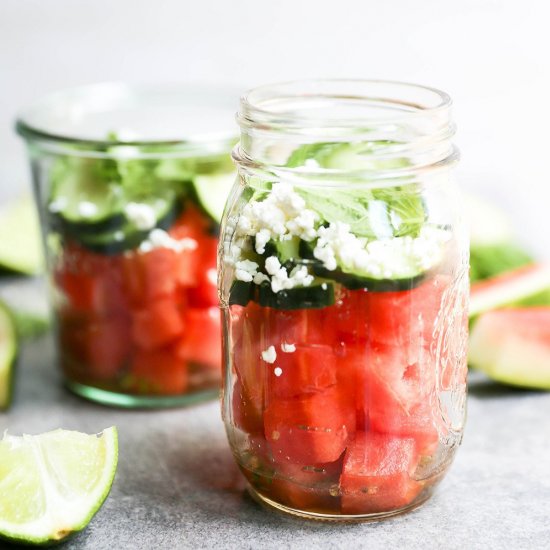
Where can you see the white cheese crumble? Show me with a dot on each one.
(245, 270)
(158, 238)
(269, 355)
(288, 348)
(58, 205)
(87, 209)
(278, 371)
(282, 280)
(282, 213)
(141, 215)
(338, 246)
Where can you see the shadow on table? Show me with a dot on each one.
(217, 488)
(485, 388)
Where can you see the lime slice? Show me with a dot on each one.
(52, 484)
(8, 353)
(20, 244)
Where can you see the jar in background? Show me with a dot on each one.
(130, 184)
(344, 288)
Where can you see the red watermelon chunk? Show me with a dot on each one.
(300, 326)
(150, 275)
(102, 345)
(407, 319)
(158, 372)
(306, 369)
(311, 428)
(247, 413)
(377, 474)
(157, 324)
(246, 340)
(200, 341)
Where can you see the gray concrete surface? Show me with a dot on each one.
(177, 487)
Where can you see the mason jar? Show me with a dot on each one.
(131, 184)
(344, 286)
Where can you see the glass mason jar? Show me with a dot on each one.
(131, 184)
(344, 287)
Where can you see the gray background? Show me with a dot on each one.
(492, 56)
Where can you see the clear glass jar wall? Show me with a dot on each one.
(344, 287)
(131, 221)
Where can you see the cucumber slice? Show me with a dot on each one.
(8, 353)
(375, 284)
(307, 297)
(347, 156)
(86, 196)
(285, 251)
(130, 236)
(212, 191)
(410, 275)
(241, 293)
(20, 243)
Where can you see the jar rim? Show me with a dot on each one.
(395, 100)
(86, 117)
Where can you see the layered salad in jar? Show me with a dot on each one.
(132, 237)
(345, 316)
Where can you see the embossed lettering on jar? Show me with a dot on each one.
(343, 279)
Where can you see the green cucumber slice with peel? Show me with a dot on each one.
(86, 196)
(129, 236)
(241, 293)
(408, 279)
(314, 296)
(317, 295)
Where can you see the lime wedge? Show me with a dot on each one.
(20, 244)
(52, 484)
(8, 353)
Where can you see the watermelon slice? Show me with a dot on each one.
(513, 346)
(509, 288)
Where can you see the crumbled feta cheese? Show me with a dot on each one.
(58, 205)
(280, 278)
(141, 215)
(278, 371)
(262, 238)
(280, 215)
(269, 355)
(87, 209)
(245, 270)
(260, 278)
(288, 348)
(158, 238)
(336, 245)
(272, 265)
(118, 236)
(283, 215)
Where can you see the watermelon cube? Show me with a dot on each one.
(311, 428)
(377, 474)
